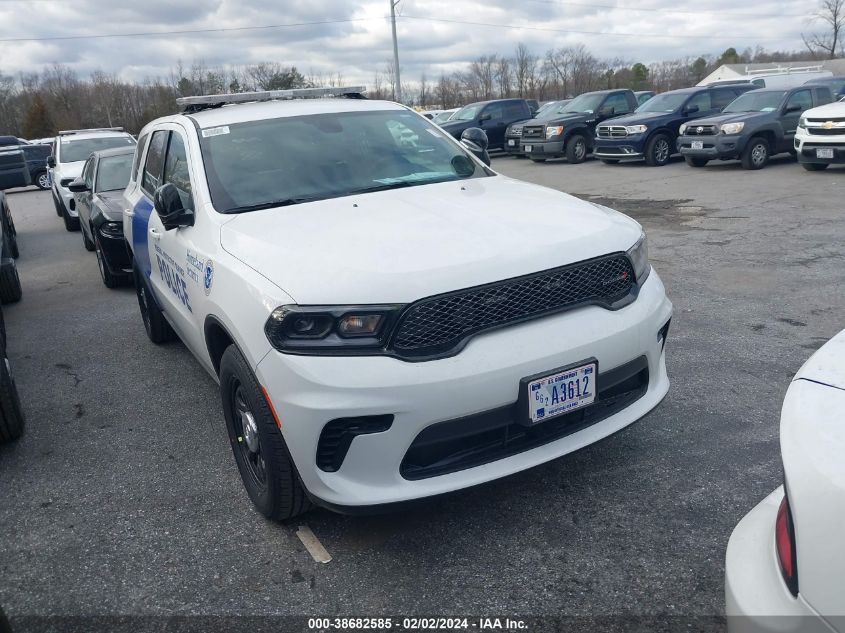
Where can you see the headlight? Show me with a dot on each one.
(111, 229)
(635, 129)
(732, 128)
(802, 123)
(638, 254)
(330, 329)
(556, 130)
(682, 129)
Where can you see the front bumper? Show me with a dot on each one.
(65, 197)
(632, 146)
(715, 146)
(806, 145)
(542, 149)
(309, 391)
(756, 598)
(513, 145)
(115, 253)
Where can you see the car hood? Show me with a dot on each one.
(812, 439)
(827, 365)
(401, 245)
(831, 110)
(112, 205)
(732, 117)
(641, 118)
(563, 119)
(69, 170)
(457, 126)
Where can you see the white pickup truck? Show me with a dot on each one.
(820, 137)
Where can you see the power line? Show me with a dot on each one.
(182, 32)
(603, 33)
(673, 11)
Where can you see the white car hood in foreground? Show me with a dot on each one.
(401, 245)
(835, 109)
(812, 437)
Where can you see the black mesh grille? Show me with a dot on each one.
(534, 131)
(700, 130)
(437, 324)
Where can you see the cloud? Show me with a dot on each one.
(653, 31)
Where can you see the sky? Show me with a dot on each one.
(353, 37)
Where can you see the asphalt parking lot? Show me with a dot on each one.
(123, 497)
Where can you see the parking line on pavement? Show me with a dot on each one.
(313, 544)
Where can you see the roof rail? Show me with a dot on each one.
(92, 129)
(204, 102)
(785, 70)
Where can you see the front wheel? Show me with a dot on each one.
(71, 223)
(43, 181)
(756, 153)
(576, 149)
(266, 468)
(10, 283)
(693, 161)
(658, 151)
(814, 166)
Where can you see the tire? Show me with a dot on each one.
(576, 149)
(609, 161)
(86, 242)
(10, 284)
(58, 204)
(263, 460)
(42, 181)
(2, 334)
(692, 161)
(157, 328)
(537, 160)
(658, 151)
(71, 223)
(10, 234)
(815, 166)
(109, 279)
(11, 415)
(756, 153)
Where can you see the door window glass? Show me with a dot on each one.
(176, 170)
(155, 160)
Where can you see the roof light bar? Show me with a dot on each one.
(93, 129)
(213, 101)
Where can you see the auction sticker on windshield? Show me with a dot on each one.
(561, 392)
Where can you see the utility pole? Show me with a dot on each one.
(397, 86)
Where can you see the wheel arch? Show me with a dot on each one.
(217, 340)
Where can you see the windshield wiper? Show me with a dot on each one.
(386, 187)
(284, 202)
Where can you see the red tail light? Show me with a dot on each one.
(785, 545)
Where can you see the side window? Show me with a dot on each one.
(155, 160)
(495, 110)
(823, 95)
(802, 99)
(618, 102)
(722, 97)
(176, 170)
(88, 173)
(702, 100)
(139, 151)
(514, 111)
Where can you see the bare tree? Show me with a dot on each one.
(832, 14)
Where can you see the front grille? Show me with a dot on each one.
(516, 131)
(819, 131)
(612, 131)
(701, 130)
(820, 121)
(440, 324)
(455, 445)
(534, 131)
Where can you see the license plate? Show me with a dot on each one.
(511, 142)
(698, 144)
(560, 392)
(528, 148)
(824, 152)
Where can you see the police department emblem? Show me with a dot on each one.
(208, 276)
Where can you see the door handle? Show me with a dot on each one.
(155, 234)
(129, 213)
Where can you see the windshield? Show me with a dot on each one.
(667, 102)
(74, 150)
(756, 102)
(585, 104)
(443, 116)
(289, 160)
(113, 172)
(468, 113)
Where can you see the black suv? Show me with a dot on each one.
(571, 132)
(752, 128)
(493, 117)
(13, 168)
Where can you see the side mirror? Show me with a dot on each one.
(168, 205)
(65, 182)
(792, 108)
(691, 109)
(51, 161)
(76, 186)
(485, 117)
(607, 111)
(475, 140)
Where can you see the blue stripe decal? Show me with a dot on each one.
(140, 224)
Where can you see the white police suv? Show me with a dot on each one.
(388, 319)
(70, 151)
